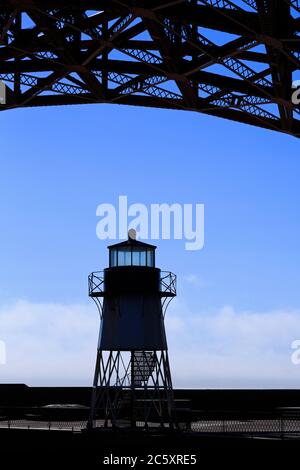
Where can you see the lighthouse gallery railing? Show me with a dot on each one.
(167, 283)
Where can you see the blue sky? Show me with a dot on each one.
(58, 164)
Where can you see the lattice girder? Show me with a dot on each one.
(233, 59)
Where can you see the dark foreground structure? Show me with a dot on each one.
(217, 426)
(234, 59)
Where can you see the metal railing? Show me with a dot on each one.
(281, 427)
(167, 283)
(96, 283)
(274, 426)
(50, 425)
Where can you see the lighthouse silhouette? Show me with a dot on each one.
(132, 382)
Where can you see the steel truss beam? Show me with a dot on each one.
(234, 59)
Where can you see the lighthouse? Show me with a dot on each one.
(132, 381)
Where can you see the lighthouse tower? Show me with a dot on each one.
(132, 383)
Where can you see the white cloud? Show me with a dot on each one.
(55, 344)
(194, 280)
(233, 349)
(2, 353)
(49, 343)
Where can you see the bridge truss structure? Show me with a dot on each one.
(235, 59)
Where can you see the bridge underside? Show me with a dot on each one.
(235, 59)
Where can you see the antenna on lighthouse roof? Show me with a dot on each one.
(132, 234)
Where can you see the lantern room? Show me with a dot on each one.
(132, 253)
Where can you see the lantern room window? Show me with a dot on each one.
(132, 256)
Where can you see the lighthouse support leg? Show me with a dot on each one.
(135, 385)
